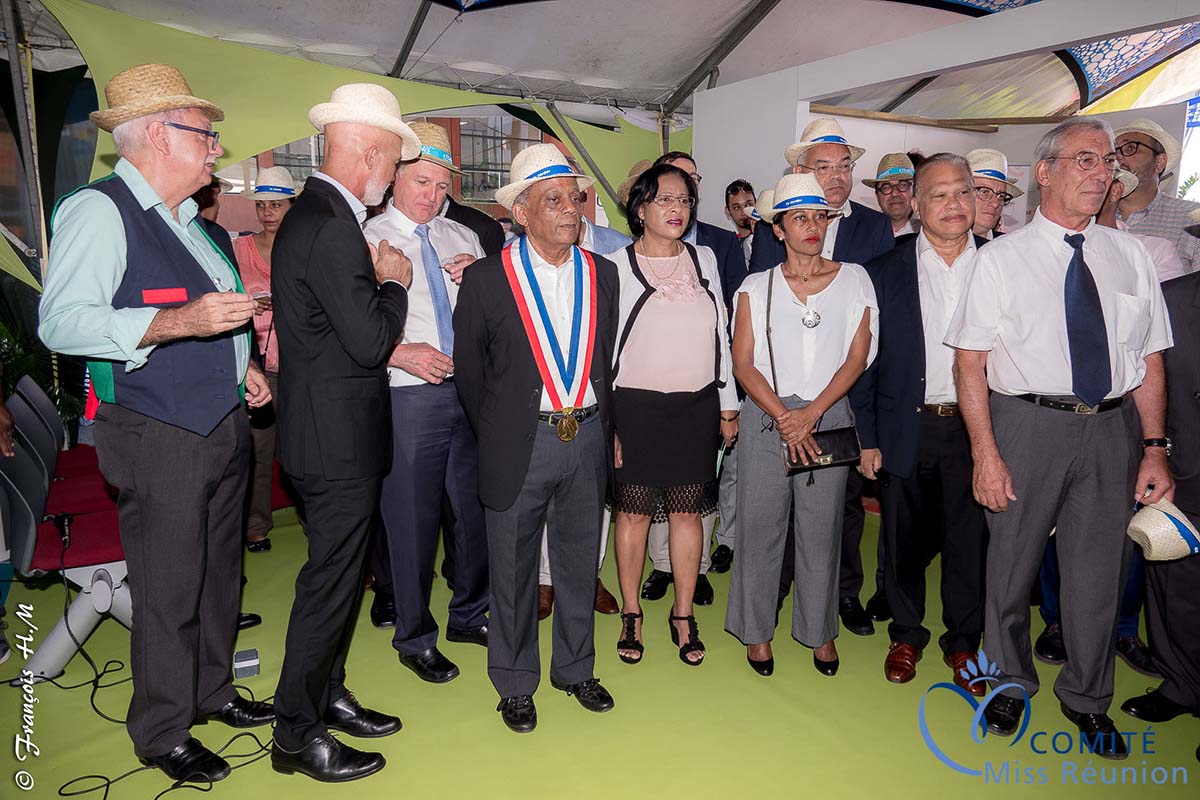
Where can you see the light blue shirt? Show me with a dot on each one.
(87, 264)
(356, 205)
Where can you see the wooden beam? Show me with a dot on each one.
(973, 126)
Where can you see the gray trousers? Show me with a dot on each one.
(765, 494)
(573, 476)
(727, 530)
(1075, 473)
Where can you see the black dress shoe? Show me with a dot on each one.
(656, 585)
(191, 761)
(1099, 732)
(518, 713)
(248, 620)
(766, 667)
(468, 635)
(242, 713)
(878, 607)
(383, 611)
(855, 618)
(1134, 652)
(348, 716)
(328, 760)
(829, 668)
(721, 559)
(430, 665)
(1049, 646)
(1003, 714)
(258, 545)
(590, 694)
(1154, 707)
(704, 591)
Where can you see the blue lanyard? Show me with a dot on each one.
(565, 370)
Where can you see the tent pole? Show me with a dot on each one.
(21, 71)
(411, 39)
(579, 148)
(664, 130)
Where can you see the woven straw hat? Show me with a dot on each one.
(366, 104)
(1164, 532)
(1128, 180)
(1156, 132)
(766, 199)
(435, 145)
(635, 172)
(794, 191)
(820, 131)
(274, 183)
(988, 163)
(538, 162)
(892, 167)
(148, 89)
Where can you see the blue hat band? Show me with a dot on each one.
(992, 173)
(802, 200)
(283, 190)
(834, 138)
(441, 155)
(1192, 543)
(550, 171)
(893, 173)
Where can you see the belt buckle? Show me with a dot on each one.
(1084, 408)
(945, 410)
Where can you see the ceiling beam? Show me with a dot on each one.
(749, 21)
(975, 126)
(411, 39)
(907, 94)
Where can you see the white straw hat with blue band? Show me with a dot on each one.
(892, 167)
(538, 162)
(794, 192)
(988, 163)
(820, 131)
(273, 183)
(1164, 532)
(435, 145)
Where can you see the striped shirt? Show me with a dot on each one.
(1167, 217)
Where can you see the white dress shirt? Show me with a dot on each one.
(806, 359)
(940, 286)
(1013, 306)
(907, 229)
(747, 247)
(558, 293)
(448, 238)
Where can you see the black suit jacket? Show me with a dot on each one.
(498, 380)
(1183, 389)
(731, 260)
(335, 329)
(863, 235)
(886, 398)
(490, 232)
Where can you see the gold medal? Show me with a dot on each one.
(567, 426)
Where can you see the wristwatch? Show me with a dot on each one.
(1164, 443)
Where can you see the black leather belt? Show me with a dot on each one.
(1074, 406)
(580, 414)
(942, 409)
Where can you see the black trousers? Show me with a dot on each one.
(181, 505)
(339, 516)
(1173, 622)
(935, 511)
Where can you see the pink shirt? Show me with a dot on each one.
(256, 277)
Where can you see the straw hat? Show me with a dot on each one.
(435, 145)
(538, 162)
(366, 104)
(820, 131)
(274, 183)
(1156, 132)
(892, 167)
(1128, 180)
(766, 199)
(148, 89)
(635, 172)
(1164, 532)
(794, 191)
(988, 163)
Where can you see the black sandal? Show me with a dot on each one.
(694, 644)
(629, 642)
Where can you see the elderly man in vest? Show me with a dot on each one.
(136, 285)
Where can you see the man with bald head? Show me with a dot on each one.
(340, 309)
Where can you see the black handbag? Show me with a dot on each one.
(839, 446)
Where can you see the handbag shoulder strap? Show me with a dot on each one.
(770, 347)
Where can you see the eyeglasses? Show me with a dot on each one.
(1129, 148)
(904, 187)
(1088, 160)
(844, 168)
(668, 200)
(213, 135)
(987, 195)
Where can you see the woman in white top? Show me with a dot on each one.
(823, 322)
(673, 399)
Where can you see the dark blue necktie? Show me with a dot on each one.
(1091, 374)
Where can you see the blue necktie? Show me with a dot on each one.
(442, 313)
(1091, 374)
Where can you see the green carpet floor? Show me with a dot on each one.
(714, 731)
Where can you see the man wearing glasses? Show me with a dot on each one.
(1152, 154)
(893, 185)
(993, 190)
(1063, 320)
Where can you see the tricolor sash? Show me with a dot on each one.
(564, 372)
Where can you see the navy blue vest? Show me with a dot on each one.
(189, 383)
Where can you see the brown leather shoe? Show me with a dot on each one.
(605, 602)
(958, 663)
(545, 601)
(901, 663)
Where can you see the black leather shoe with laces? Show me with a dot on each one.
(191, 761)
(1003, 714)
(518, 713)
(590, 694)
(348, 716)
(1102, 736)
(327, 760)
(242, 713)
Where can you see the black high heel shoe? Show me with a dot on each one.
(694, 645)
(826, 667)
(766, 667)
(628, 642)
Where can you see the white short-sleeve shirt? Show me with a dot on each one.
(1013, 306)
